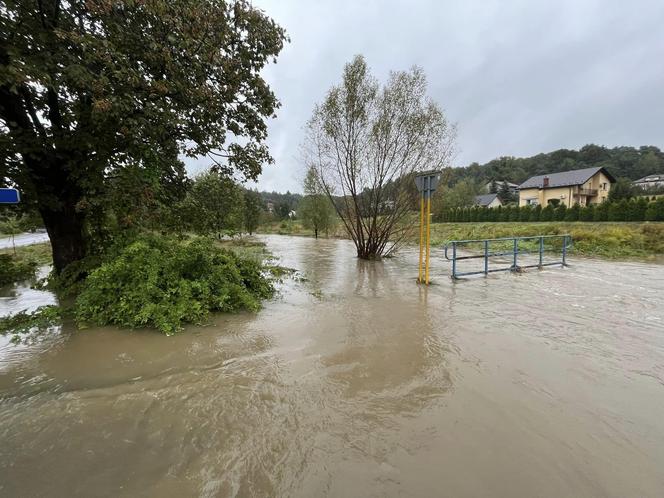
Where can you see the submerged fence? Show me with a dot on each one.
(515, 252)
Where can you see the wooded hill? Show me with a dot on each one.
(627, 162)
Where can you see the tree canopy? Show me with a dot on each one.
(90, 89)
(366, 141)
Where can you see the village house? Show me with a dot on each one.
(488, 200)
(582, 186)
(650, 182)
(511, 187)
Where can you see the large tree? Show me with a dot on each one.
(90, 88)
(366, 142)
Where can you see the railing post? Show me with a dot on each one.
(541, 251)
(454, 260)
(486, 257)
(564, 250)
(516, 251)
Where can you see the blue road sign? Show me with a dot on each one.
(9, 196)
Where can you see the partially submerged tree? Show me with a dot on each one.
(315, 208)
(89, 88)
(366, 143)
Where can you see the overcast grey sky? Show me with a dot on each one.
(517, 76)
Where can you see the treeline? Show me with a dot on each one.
(282, 204)
(637, 209)
(621, 162)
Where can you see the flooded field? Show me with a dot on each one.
(356, 382)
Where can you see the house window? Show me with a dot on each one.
(532, 202)
(553, 202)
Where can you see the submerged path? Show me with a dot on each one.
(357, 382)
(23, 239)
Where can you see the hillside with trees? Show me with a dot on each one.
(621, 162)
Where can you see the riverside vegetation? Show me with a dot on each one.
(162, 282)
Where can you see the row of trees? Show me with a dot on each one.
(638, 209)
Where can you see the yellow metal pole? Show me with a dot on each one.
(428, 234)
(419, 277)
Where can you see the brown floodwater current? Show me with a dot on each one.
(354, 381)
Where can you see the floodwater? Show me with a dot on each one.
(357, 382)
(23, 239)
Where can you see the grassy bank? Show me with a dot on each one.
(40, 253)
(604, 240)
(620, 240)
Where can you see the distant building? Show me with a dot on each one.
(649, 182)
(292, 214)
(488, 200)
(386, 206)
(269, 206)
(512, 187)
(582, 186)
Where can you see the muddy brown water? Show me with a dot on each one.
(355, 382)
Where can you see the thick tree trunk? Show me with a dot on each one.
(66, 231)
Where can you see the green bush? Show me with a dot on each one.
(164, 283)
(13, 269)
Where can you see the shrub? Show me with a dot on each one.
(559, 212)
(164, 282)
(573, 213)
(13, 269)
(587, 212)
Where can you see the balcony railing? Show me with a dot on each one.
(587, 191)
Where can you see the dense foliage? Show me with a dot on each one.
(96, 93)
(13, 269)
(635, 209)
(628, 162)
(253, 206)
(282, 203)
(164, 283)
(213, 205)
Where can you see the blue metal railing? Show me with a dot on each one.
(514, 252)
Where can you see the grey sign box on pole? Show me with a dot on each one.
(427, 181)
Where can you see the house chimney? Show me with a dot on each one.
(545, 182)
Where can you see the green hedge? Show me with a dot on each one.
(639, 209)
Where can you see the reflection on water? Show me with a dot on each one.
(356, 382)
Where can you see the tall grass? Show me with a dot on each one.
(606, 240)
